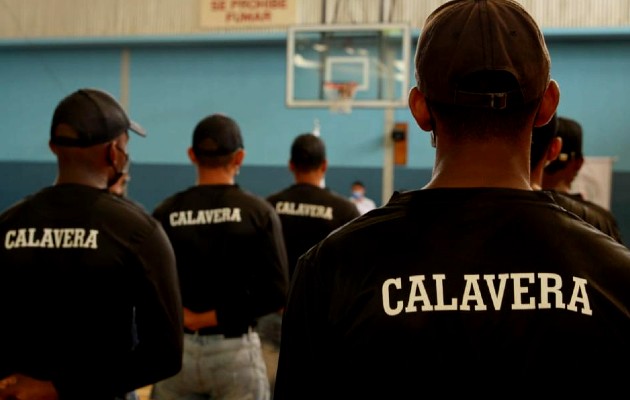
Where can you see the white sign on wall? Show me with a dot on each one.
(247, 13)
(594, 180)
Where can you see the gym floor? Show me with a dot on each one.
(143, 393)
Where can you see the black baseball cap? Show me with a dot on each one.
(217, 135)
(482, 53)
(89, 117)
(308, 151)
(571, 133)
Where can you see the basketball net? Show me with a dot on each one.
(340, 96)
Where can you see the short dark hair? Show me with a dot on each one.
(214, 161)
(483, 123)
(358, 183)
(308, 152)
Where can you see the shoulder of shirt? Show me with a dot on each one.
(583, 208)
(127, 211)
(236, 192)
(106, 209)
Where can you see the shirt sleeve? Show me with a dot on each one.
(304, 345)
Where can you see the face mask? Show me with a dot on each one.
(357, 195)
(118, 174)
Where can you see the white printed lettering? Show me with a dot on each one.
(472, 293)
(304, 210)
(579, 295)
(549, 285)
(52, 238)
(439, 292)
(205, 217)
(386, 302)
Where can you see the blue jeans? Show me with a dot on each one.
(218, 368)
(269, 328)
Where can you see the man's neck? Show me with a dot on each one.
(314, 178)
(98, 181)
(562, 187)
(215, 176)
(536, 176)
(556, 183)
(487, 164)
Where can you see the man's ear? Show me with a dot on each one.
(110, 155)
(554, 149)
(239, 156)
(52, 147)
(192, 156)
(548, 105)
(420, 109)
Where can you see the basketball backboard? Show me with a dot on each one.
(375, 59)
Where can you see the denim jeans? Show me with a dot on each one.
(218, 368)
(269, 328)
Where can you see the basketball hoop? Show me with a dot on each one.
(340, 96)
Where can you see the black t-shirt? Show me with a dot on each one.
(451, 291)
(590, 212)
(90, 297)
(230, 253)
(309, 213)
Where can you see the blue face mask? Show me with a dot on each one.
(357, 195)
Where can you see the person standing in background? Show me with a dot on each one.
(546, 146)
(308, 213)
(232, 266)
(307, 210)
(358, 197)
(561, 172)
(90, 304)
(558, 176)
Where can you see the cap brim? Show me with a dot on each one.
(137, 128)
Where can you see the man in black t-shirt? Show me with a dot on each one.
(546, 147)
(559, 174)
(474, 285)
(308, 212)
(232, 267)
(90, 302)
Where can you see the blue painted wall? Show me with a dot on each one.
(175, 83)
